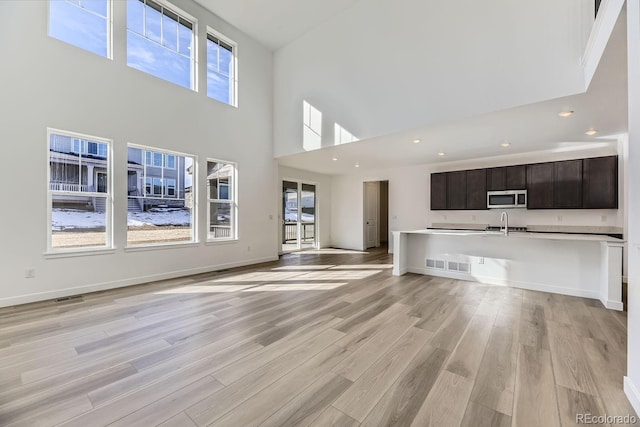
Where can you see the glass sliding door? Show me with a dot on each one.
(298, 216)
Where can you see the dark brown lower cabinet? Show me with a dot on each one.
(540, 186)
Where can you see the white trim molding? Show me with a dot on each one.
(632, 394)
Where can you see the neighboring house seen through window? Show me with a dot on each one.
(161, 42)
(82, 23)
(160, 201)
(79, 192)
(220, 69)
(222, 207)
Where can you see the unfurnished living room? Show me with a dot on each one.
(320, 213)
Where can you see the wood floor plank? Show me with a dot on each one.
(535, 395)
(401, 403)
(448, 335)
(355, 338)
(533, 326)
(466, 357)
(572, 403)
(582, 320)
(180, 420)
(334, 418)
(360, 398)
(494, 386)
(303, 409)
(570, 367)
(446, 403)
(49, 415)
(477, 415)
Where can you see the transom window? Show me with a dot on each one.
(160, 192)
(79, 192)
(82, 23)
(220, 69)
(222, 212)
(161, 41)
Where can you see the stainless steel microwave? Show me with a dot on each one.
(507, 199)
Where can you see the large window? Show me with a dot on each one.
(161, 42)
(82, 23)
(160, 206)
(220, 69)
(221, 178)
(79, 192)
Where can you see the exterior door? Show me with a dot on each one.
(102, 182)
(298, 216)
(371, 213)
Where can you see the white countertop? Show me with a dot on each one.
(518, 234)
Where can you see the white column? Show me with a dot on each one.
(632, 380)
(399, 253)
(90, 178)
(611, 275)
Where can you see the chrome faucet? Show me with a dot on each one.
(505, 217)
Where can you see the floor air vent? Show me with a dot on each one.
(71, 298)
(435, 263)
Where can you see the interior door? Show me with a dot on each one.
(371, 203)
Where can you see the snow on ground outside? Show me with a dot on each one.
(65, 219)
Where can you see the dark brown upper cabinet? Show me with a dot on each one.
(567, 190)
(477, 189)
(507, 178)
(457, 190)
(516, 177)
(600, 183)
(540, 186)
(438, 191)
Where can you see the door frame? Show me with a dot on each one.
(364, 214)
(316, 242)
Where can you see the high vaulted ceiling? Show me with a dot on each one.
(276, 23)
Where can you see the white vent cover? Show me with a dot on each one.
(438, 264)
(461, 267)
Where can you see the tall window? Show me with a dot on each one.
(82, 23)
(221, 178)
(79, 192)
(161, 42)
(160, 207)
(220, 69)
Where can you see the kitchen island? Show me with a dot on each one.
(584, 265)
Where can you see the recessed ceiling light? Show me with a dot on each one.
(441, 153)
(591, 132)
(335, 159)
(417, 141)
(357, 165)
(566, 113)
(505, 144)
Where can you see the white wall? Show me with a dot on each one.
(48, 83)
(385, 66)
(632, 381)
(409, 200)
(323, 201)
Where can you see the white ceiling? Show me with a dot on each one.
(276, 23)
(529, 128)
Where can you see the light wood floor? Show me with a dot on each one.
(319, 339)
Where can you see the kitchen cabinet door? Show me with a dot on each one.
(438, 191)
(567, 190)
(516, 177)
(457, 190)
(540, 186)
(477, 189)
(600, 183)
(496, 179)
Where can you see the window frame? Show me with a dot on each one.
(194, 209)
(233, 77)
(172, 9)
(109, 22)
(232, 201)
(107, 196)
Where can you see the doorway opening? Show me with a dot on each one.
(376, 214)
(298, 216)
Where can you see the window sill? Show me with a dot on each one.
(78, 253)
(162, 246)
(221, 242)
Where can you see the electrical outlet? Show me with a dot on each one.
(559, 218)
(248, 248)
(395, 217)
(270, 217)
(481, 260)
(603, 218)
(444, 217)
(473, 217)
(30, 273)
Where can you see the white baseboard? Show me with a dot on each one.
(59, 293)
(612, 305)
(632, 394)
(515, 284)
